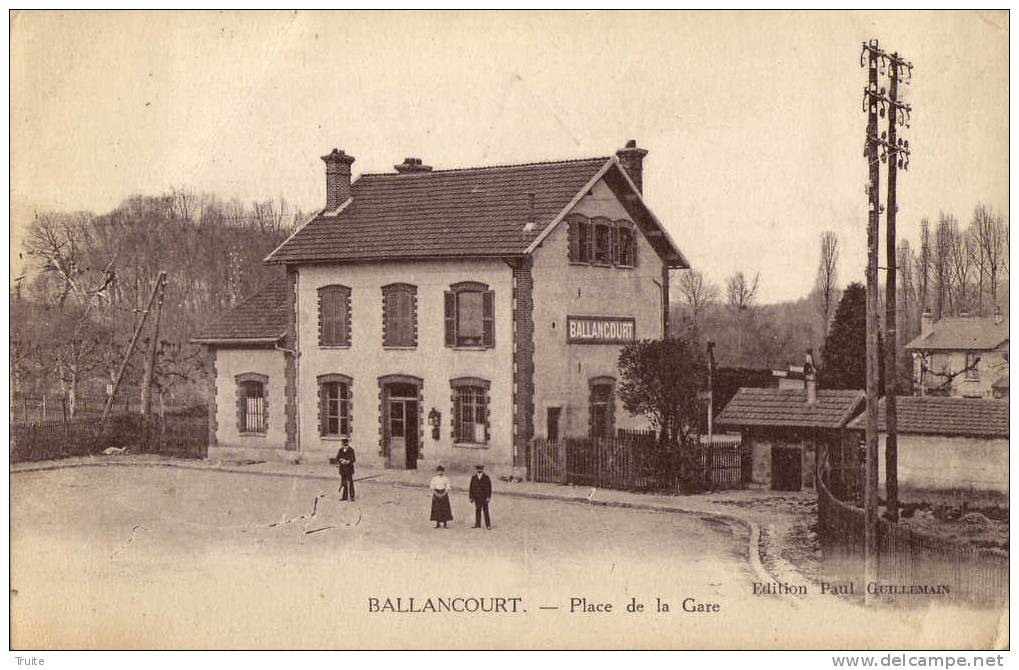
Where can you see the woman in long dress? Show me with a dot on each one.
(441, 512)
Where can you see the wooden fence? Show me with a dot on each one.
(635, 461)
(909, 558)
(184, 434)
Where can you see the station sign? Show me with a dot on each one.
(600, 329)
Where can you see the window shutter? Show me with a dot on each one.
(450, 315)
(571, 240)
(585, 242)
(488, 318)
(323, 408)
(633, 247)
(617, 233)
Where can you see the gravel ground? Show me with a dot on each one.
(123, 557)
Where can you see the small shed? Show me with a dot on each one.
(786, 429)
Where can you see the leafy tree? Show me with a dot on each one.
(661, 380)
(844, 355)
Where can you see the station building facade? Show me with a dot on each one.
(447, 316)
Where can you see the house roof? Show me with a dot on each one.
(470, 212)
(262, 317)
(950, 417)
(968, 333)
(789, 408)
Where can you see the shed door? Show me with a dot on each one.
(786, 469)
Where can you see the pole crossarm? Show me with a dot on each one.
(887, 61)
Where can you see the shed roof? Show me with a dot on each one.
(475, 212)
(949, 417)
(260, 317)
(968, 333)
(789, 408)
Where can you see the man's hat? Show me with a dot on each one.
(439, 468)
(344, 440)
(479, 466)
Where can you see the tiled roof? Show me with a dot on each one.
(950, 417)
(789, 408)
(965, 333)
(472, 212)
(263, 315)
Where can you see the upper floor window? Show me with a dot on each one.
(470, 410)
(334, 316)
(972, 361)
(399, 310)
(601, 241)
(252, 403)
(334, 404)
(624, 245)
(470, 315)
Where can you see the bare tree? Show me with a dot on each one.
(907, 289)
(923, 265)
(697, 292)
(741, 293)
(988, 239)
(826, 282)
(961, 262)
(944, 243)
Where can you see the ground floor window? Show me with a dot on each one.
(334, 405)
(252, 403)
(470, 410)
(602, 417)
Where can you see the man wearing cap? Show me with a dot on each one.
(480, 493)
(345, 462)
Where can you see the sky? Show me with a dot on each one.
(753, 121)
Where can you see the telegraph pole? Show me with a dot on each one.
(898, 114)
(150, 360)
(876, 103)
(872, 97)
(130, 347)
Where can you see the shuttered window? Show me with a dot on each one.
(399, 308)
(623, 248)
(470, 315)
(578, 232)
(334, 316)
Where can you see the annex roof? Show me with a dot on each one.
(789, 408)
(493, 211)
(949, 417)
(261, 317)
(968, 333)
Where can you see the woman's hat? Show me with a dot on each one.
(439, 468)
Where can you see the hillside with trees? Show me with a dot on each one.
(87, 279)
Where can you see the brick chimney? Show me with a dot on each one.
(632, 159)
(412, 165)
(926, 322)
(337, 178)
(809, 378)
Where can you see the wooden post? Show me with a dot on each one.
(150, 359)
(891, 363)
(130, 348)
(44, 408)
(870, 499)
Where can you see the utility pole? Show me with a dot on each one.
(872, 96)
(130, 347)
(711, 392)
(150, 361)
(876, 102)
(897, 114)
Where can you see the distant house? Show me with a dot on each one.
(786, 429)
(947, 443)
(964, 357)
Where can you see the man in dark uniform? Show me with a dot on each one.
(480, 493)
(345, 461)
